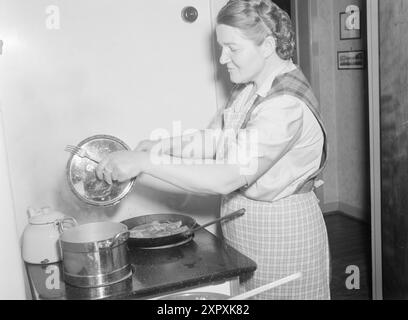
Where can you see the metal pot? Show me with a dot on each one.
(95, 254)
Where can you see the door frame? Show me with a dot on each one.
(294, 15)
(375, 144)
(373, 67)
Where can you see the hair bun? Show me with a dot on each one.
(263, 6)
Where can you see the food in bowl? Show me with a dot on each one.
(157, 229)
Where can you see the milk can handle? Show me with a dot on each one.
(61, 227)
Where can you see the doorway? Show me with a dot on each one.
(345, 197)
(299, 13)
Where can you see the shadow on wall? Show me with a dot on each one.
(144, 199)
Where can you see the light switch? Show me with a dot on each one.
(1, 46)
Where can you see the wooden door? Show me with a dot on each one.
(393, 24)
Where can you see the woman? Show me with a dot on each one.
(283, 229)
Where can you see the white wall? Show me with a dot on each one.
(344, 105)
(323, 73)
(11, 270)
(122, 68)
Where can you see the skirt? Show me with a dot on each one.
(283, 238)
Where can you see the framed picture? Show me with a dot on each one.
(345, 33)
(350, 60)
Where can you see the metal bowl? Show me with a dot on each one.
(82, 177)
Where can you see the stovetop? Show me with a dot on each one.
(203, 261)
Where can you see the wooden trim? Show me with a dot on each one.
(330, 207)
(348, 210)
(295, 18)
(353, 212)
(344, 214)
(375, 144)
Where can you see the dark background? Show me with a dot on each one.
(283, 4)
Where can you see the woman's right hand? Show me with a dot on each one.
(146, 145)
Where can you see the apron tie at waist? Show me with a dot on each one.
(309, 186)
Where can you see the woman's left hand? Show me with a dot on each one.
(120, 166)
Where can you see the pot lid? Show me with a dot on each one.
(46, 217)
(82, 178)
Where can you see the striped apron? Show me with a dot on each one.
(283, 237)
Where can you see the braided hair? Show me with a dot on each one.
(258, 19)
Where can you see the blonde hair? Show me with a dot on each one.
(258, 19)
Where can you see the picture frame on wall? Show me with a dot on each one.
(347, 60)
(345, 33)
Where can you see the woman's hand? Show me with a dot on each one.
(146, 145)
(121, 166)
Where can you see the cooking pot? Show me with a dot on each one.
(116, 290)
(95, 254)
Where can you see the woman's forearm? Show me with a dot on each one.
(198, 145)
(207, 178)
(149, 181)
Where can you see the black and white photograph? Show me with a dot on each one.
(216, 150)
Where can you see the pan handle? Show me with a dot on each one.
(230, 216)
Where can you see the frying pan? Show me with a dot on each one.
(174, 239)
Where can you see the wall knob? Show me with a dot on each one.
(189, 14)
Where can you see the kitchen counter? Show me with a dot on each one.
(204, 261)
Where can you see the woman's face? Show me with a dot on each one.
(244, 59)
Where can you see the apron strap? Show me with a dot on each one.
(294, 83)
